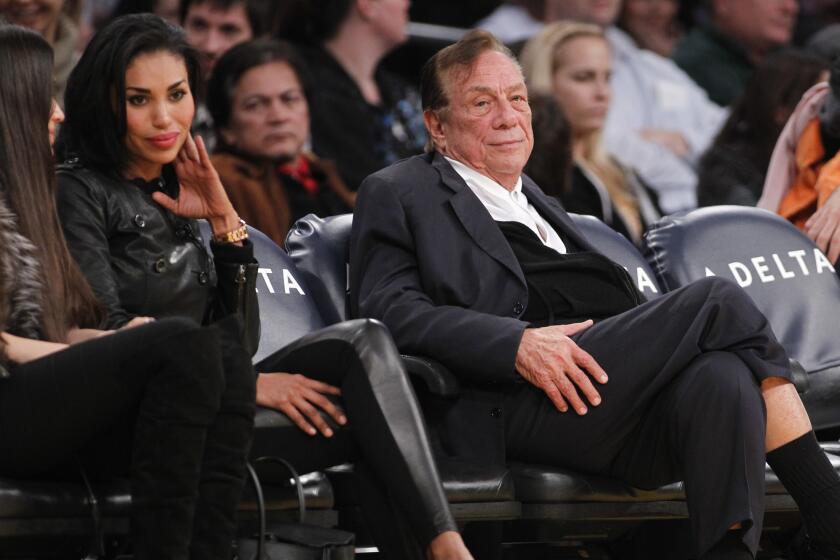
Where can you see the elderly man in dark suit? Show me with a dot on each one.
(468, 262)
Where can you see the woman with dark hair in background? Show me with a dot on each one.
(363, 118)
(732, 171)
(151, 402)
(258, 99)
(550, 164)
(129, 213)
(653, 24)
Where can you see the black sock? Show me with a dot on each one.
(730, 547)
(811, 480)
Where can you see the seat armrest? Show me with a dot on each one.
(437, 378)
(800, 377)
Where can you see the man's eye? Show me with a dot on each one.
(136, 100)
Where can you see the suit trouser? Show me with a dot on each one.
(386, 436)
(683, 402)
(154, 402)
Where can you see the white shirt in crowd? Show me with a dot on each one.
(508, 206)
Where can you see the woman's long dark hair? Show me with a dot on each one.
(95, 126)
(776, 85)
(27, 178)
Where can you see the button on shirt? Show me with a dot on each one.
(508, 206)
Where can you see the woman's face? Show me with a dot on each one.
(269, 115)
(159, 109)
(38, 15)
(56, 118)
(168, 10)
(582, 83)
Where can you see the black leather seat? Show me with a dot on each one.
(621, 251)
(319, 248)
(786, 275)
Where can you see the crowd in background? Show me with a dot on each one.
(669, 104)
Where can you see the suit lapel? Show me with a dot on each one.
(553, 214)
(477, 222)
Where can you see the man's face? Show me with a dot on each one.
(487, 124)
(759, 25)
(213, 31)
(598, 12)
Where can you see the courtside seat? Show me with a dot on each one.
(319, 248)
(785, 274)
(617, 248)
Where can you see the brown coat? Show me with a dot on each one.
(259, 196)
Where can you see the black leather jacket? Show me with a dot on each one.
(142, 260)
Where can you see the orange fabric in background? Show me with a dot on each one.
(815, 180)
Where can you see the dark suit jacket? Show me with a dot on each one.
(427, 259)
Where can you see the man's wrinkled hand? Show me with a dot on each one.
(301, 399)
(823, 227)
(550, 360)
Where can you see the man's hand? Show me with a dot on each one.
(674, 141)
(550, 360)
(300, 398)
(823, 227)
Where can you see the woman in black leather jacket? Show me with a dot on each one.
(156, 402)
(133, 184)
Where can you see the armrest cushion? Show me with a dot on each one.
(437, 378)
(800, 376)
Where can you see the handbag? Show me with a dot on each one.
(292, 541)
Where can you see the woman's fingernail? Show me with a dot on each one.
(342, 419)
(582, 410)
(328, 432)
(596, 401)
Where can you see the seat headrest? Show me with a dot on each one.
(287, 310)
(320, 249)
(787, 276)
(617, 248)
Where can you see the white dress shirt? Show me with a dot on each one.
(651, 91)
(508, 206)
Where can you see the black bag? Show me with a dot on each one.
(297, 541)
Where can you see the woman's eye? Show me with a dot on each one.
(178, 95)
(136, 100)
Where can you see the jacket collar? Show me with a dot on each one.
(480, 225)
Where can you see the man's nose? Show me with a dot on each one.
(277, 111)
(214, 43)
(506, 116)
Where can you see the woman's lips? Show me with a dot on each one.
(164, 141)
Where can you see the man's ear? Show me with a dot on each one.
(435, 127)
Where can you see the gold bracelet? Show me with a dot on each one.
(233, 235)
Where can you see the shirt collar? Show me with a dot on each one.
(483, 181)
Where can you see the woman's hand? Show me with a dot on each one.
(300, 398)
(136, 322)
(21, 350)
(202, 194)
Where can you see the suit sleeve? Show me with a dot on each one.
(386, 285)
(81, 210)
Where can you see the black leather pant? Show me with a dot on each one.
(388, 434)
(159, 402)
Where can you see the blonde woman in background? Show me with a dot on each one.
(572, 62)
